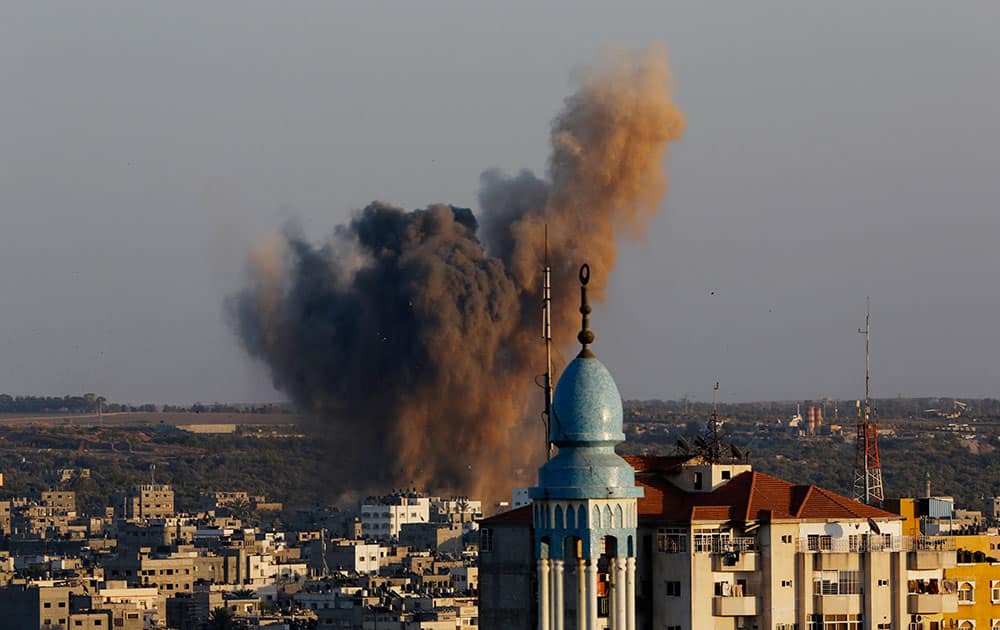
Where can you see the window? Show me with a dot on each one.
(486, 539)
(671, 540)
(815, 542)
(710, 540)
(697, 481)
(787, 538)
(995, 591)
(883, 582)
(727, 474)
(786, 583)
(836, 622)
(673, 589)
(966, 593)
(837, 583)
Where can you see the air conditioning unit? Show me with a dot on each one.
(918, 618)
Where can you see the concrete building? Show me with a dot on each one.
(5, 513)
(29, 607)
(62, 500)
(352, 556)
(382, 517)
(436, 537)
(148, 501)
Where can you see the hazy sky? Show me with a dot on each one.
(833, 150)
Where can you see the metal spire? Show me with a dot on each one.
(715, 450)
(547, 336)
(586, 336)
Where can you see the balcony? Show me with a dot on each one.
(837, 604)
(928, 560)
(837, 561)
(858, 543)
(930, 553)
(929, 604)
(745, 606)
(736, 561)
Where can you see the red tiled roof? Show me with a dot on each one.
(748, 496)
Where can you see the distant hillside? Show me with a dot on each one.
(957, 445)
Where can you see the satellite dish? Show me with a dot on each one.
(874, 526)
(737, 452)
(683, 445)
(700, 442)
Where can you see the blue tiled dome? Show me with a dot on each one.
(586, 426)
(587, 407)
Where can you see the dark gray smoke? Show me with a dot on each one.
(411, 338)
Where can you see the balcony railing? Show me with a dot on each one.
(929, 543)
(743, 544)
(848, 544)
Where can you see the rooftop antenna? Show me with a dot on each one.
(716, 448)
(547, 337)
(867, 464)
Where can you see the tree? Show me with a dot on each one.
(221, 619)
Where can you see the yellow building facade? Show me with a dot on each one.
(976, 578)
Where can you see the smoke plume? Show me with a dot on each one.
(411, 339)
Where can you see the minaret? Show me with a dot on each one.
(584, 506)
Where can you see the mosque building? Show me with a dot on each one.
(698, 541)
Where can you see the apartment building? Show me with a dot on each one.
(383, 516)
(147, 501)
(62, 500)
(30, 606)
(352, 556)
